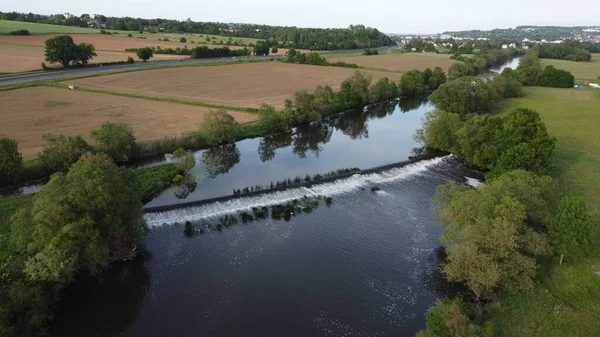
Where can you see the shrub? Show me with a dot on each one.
(375, 189)
(129, 35)
(11, 161)
(274, 50)
(116, 140)
(130, 59)
(219, 127)
(183, 40)
(19, 32)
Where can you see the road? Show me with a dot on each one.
(47, 75)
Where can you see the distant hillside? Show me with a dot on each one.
(353, 37)
(534, 33)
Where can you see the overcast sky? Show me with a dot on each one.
(390, 16)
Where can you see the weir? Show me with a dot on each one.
(216, 207)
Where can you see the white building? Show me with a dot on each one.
(445, 36)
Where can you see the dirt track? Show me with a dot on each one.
(29, 113)
(243, 85)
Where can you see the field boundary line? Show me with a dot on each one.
(152, 98)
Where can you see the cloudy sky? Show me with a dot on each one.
(390, 16)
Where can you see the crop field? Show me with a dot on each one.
(400, 62)
(15, 58)
(583, 71)
(242, 85)
(29, 113)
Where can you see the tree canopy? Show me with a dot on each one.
(61, 152)
(116, 140)
(490, 243)
(571, 229)
(145, 54)
(219, 127)
(63, 50)
(465, 95)
(80, 221)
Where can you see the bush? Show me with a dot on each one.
(273, 121)
(556, 78)
(11, 161)
(130, 59)
(61, 152)
(384, 89)
(274, 50)
(129, 35)
(219, 127)
(19, 32)
(116, 140)
(183, 40)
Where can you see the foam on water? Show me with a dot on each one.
(333, 188)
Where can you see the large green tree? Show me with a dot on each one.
(116, 140)
(11, 161)
(465, 95)
(571, 229)
(490, 242)
(80, 221)
(413, 83)
(63, 50)
(219, 127)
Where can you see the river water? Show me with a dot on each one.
(364, 266)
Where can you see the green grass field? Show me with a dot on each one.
(583, 71)
(566, 300)
(7, 26)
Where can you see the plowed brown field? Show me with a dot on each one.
(29, 113)
(243, 85)
(403, 62)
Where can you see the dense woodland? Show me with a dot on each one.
(534, 33)
(353, 37)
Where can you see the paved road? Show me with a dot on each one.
(46, 75)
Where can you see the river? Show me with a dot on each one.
(364, 266)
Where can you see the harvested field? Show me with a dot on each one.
(243, 85)
(29, 113)
(404, 62)
(14, 58)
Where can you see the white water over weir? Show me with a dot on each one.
(336, 187)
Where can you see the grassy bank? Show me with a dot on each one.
(565, 299)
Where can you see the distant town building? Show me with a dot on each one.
(231, 28)
(445, 36)
(504, 46)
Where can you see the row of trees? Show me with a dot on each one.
(313, 58)
(563, 52)
(353, 37)
(306, 107)
(496, 235)
(115, 140)
(480, 62)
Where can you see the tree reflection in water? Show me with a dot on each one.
(310, 137)
(105, 305)
(220, 159)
